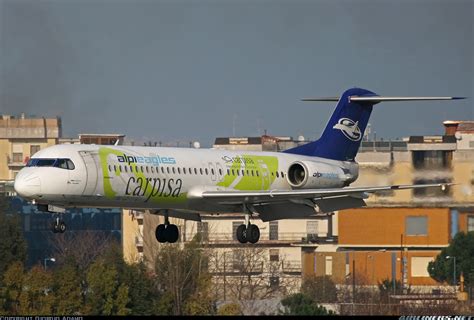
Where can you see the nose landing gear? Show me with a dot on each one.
(58, 225)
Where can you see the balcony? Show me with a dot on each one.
(279, 238)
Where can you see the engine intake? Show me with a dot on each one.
(297, 175)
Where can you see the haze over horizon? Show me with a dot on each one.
(186, 70)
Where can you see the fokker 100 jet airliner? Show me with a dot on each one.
(186, 183)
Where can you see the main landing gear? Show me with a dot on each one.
(167, 232)
(248, 232)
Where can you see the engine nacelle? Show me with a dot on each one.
(309, 174)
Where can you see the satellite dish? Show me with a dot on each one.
(458, 135)
(196, 145)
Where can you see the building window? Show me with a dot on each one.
(274, 282)
(432, 159)
(470, 223)
(17, 157)
(237, 260)
(312, 229)
(329, 266)
(274, 255)
(34, 149)
(273, 230)
(416, 226)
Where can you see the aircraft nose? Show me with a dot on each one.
(27, 184)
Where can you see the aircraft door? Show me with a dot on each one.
(219, 172)
(212, 171)
(90, 161)
(265, 175)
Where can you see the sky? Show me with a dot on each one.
(180, 71)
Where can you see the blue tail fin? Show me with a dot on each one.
(343, 134)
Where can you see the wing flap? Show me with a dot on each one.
(269, 196)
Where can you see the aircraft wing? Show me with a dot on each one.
(285, 204)
(258, 197)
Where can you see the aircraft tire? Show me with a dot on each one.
(61, 227)
(253, 233)
(172, 233)
(242, 233)
(160, 233)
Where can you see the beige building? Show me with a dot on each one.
(21, 137)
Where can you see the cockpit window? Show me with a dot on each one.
(58, 163)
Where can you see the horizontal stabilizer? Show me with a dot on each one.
(377, 99)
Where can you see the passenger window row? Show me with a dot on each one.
(189, 171)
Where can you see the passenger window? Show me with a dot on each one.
(146, 169)
(228, 172)
(207, 172)
(282, 174)
(131, 169)
(173, 170)
(120, 168)
(125, 168)
(200, 170)
(136, 168)
(248, 173)
(238, 172)
(184, 170)
(243, 173)
(277, 175)
(252, 173)
(257, 173)
(162, 170)
(233, 173)
(115, 168)
(195, 171)
(220, 171)
(179, 170)
(168, 169)
(141, 169)
(152, 170)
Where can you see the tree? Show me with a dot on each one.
(178, 272)
(230, 309)
(462, 248)
(12, 242)
(68, 288)
(105, 294)
(36, 295)
(319, 288)
(13, 282)
(299, 304)
(200, 302)
(83, 247)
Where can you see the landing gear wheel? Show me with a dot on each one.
(242, 233)
(61, 227)
(54, 227)
(172, 233)
(160, 233)
(253, 233)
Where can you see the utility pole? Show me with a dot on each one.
(353, 282)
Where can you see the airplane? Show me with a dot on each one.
(186, 183)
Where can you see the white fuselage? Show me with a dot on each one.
(165, 178)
